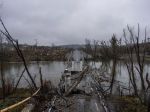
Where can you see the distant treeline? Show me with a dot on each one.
(97, 50)
(35, 53)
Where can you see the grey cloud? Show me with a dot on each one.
(71, 21)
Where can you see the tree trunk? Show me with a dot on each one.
(113, 74)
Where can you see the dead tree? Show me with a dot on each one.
(104, 51)
(129, 63)
(88, 47)
(19, 52)
(140, 56)
(114, 55)
(38, 64)
(110, 52)
(1, 66)
(136, 52)
(95, 50)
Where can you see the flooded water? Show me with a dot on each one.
(52, 70)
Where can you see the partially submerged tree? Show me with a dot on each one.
(130, 63)
(136, 52)
(114, 56)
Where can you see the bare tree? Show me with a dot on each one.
(114, 55)
(129, 63)
(88, 46)
(136, 51)
(140, 56)
(1, 66)
(19, 52)
(110, 51)
(104, 51)
(95, 50)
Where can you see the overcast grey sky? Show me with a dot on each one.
(71, 21)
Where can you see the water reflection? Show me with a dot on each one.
(50, 71)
